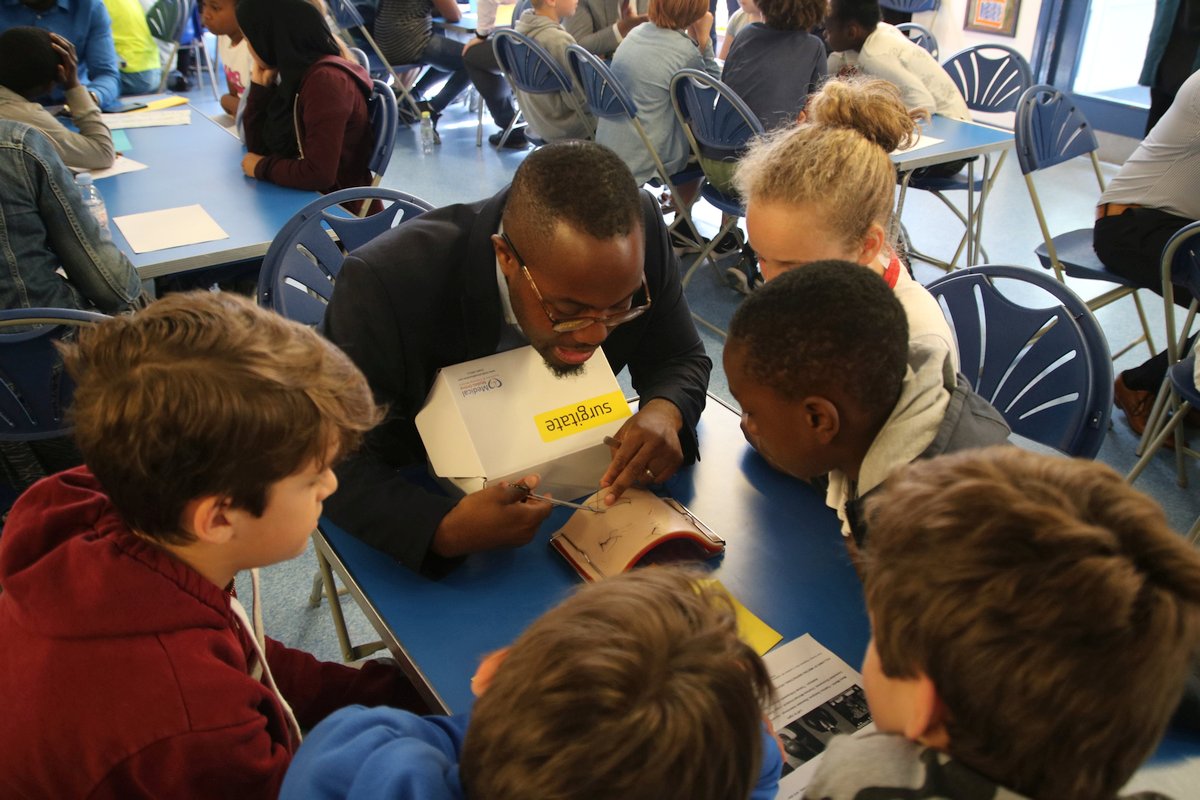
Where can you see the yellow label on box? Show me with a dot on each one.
(581, 416)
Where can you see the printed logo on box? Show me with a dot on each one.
(479, 381)
(581, 416)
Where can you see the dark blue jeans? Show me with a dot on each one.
(445, 60)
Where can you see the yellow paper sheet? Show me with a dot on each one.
(754, 632)
(504, 15)
(171, 227)
(165, 102)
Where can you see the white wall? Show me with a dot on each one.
(947, 25)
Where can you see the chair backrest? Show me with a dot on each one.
(520, 8)
(35, 390)
(920, 36)
(527, 64)
(606, 97)
(1050, 129)
(345, 14)
(910, 6)
(360, 57)
(1047, 370)
(385, 123)
(1180, 267)
(718, 123)
(303, 261)
(167, 19)
(991, 77)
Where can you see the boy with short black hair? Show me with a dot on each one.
(862, 43)
(635, 688)
(829, 383)
(208, 428)
(1034, 621)
(32, 63)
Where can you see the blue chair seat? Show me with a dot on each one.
(725, 203)
(1079, 259)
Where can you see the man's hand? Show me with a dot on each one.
(630, 19)
(474, 40)
(700, 29)
(649, 450)
(492, 518)
(250, 162)
(68, 67)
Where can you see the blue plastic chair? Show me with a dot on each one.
(608, 99)
(1050, 129)
(910, 6)
(34, 389)
(920, 36)
(1180, 265)
(719, 126)
(385, 123)
(303, 261)
(1047, 370)
(168, 21)
(530, 69)
(991, 78)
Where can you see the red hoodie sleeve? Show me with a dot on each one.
(315, 689)
(326, 99)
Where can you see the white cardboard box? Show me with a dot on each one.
(505, 416)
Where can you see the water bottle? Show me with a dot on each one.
(93, 202)
(426, 133)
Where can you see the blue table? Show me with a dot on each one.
(198, 163)
(785, 560)
(960, 140)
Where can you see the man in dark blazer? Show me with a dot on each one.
(571, 258)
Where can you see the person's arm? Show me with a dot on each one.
(93, 264)
(669, 370)
(257, 98)
(594, 35)
(894, 69)
(449, 10)
(376, 752)
(329, 98)
(315, 689)
(100, 55)
(92, 147)
(700, 32)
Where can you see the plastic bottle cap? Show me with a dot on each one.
(424, 115)
(83, 179)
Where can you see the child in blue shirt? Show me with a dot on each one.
(635, 687)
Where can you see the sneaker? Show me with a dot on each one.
(731, 242)
(178, 82)
(744, 278)
(516, 139)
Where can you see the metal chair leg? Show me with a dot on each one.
(329, 589)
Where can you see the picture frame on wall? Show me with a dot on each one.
(993, 16)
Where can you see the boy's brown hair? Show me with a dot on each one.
(1050, 604)
(204, 394)
(634, 687)
(676, 14)
(792, 15)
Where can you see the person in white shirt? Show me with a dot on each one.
(861, 42)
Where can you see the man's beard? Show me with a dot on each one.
(563, 370)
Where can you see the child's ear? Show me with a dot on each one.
(821, 416)
(927, 718)
(208, 519)
(482, 678)
(873, 244)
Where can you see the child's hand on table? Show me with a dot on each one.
(249, 162)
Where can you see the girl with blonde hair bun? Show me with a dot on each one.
(825, 189)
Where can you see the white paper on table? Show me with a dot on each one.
(171, 227)
(922, 141)
(120, 166)
(148, 119)
(819, 696)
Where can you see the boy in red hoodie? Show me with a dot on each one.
(208, 428)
